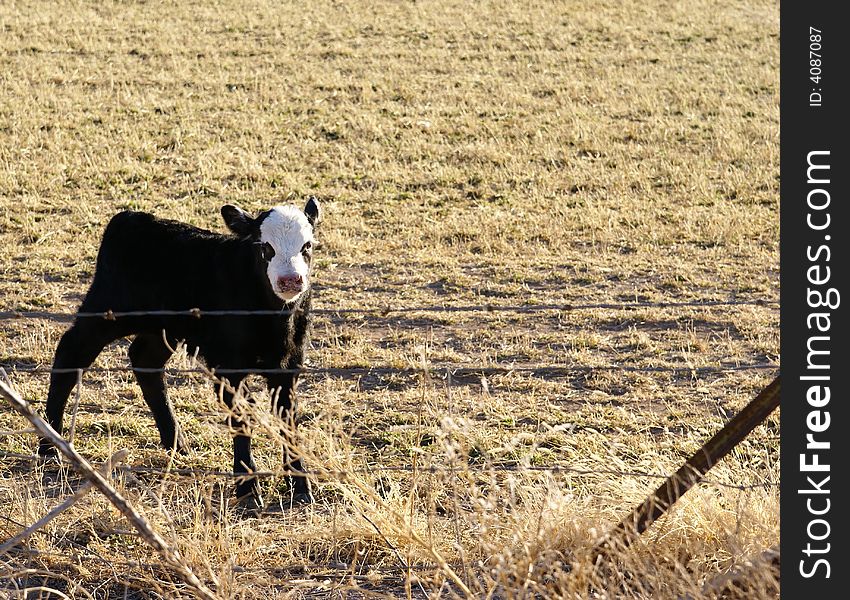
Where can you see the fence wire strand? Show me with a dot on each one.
(342, 475)
(344, 569)
(382, 310)
(453, 370)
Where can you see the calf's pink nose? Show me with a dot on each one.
(289, 281)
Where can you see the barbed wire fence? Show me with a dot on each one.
(388, 310)
(440, 371)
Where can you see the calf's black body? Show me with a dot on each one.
(150, 264)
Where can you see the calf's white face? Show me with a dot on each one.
(283, 237)
(286, 240)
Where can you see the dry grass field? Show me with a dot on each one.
(581, 154)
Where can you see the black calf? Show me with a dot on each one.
(150, 264)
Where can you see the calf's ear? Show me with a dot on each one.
(313, 211)
(237, 220)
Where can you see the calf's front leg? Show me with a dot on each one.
(282, 391)
(247, 487)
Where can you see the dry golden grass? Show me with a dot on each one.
(468, 153)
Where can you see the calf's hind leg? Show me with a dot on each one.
(148, 355)
(76, 350)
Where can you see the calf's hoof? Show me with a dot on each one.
(250, 503)
(46, 449)
(180, 445)
(302, 499)
(288, 502)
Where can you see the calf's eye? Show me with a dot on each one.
(267, 251)
(306, 248)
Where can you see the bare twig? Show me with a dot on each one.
(68, 503)
(691, 472)
(16, 432)
(170, 555)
